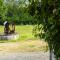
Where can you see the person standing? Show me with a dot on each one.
(6, 27)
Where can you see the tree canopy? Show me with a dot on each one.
(47, 13)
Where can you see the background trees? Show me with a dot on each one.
(2, 11)
(15, 10)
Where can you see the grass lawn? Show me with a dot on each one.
(24, 31)
(26, 42)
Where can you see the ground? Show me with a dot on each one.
(24, 46)
(25, 56)
(25, 50)
(27, 47)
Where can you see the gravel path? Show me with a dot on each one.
(5, 53)
(25, 56)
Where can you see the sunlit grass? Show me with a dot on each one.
(26, 42)
(24, 31)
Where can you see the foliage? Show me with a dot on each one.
(48, 14)
(16, 11)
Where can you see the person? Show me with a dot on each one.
(13, 28)
(6, 27)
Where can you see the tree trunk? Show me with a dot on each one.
(51, 52)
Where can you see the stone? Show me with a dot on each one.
(9, 33)
(14, 36)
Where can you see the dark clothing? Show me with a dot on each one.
(6, 29)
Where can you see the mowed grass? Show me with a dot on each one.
(24, 31)
(26, 42)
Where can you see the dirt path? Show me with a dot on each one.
(25, 56)
(24, 46)
(15, 51)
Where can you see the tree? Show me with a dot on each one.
(48, 14)
(3, 11)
